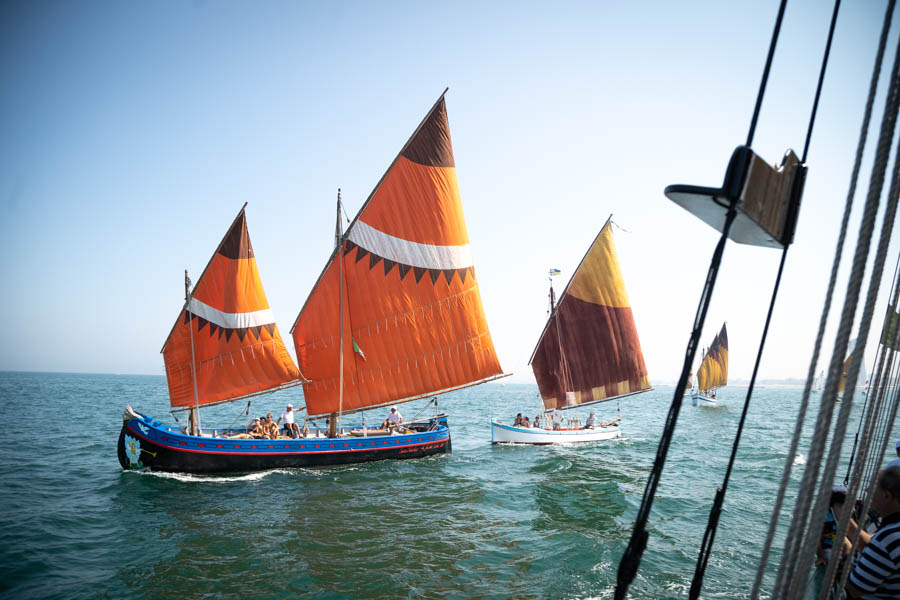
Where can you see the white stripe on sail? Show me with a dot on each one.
(409, 253)
(231, 320)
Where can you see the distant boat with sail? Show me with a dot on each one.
(819, 383)
(588, 352)
(713, 371)
(396, 315)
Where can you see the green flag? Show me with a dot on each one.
(357, 349)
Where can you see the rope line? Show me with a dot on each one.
(793, 556)
(829, 295)
(716, 509)
(631, 558)
(765, 75)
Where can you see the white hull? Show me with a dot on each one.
(701, 400)
(507, 434)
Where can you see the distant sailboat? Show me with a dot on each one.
(588, 352)
(713, 371)
(819, 383)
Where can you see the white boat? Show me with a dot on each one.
(713, 371)
(507, 434)
(589, 352)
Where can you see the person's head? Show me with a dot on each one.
(518, 414)
(290, 407)
(393, 409)
(592, 413)
(269, 417)
(838, 495)
(886, 499)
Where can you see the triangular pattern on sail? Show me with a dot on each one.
(713, 371)
(590, 344)
(411, 298)
(237, 347)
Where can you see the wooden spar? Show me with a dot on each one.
(425, 395)
(195, 411)
(283, 386)
(366, 203)
(339, 234)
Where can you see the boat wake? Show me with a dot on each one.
(190, 478)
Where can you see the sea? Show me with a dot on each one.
(482, 522)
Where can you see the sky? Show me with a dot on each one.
(132, 133)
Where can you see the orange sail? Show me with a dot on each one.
(413, 322)
(713, 371)
(589, 350)
(236, 345)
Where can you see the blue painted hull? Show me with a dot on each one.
(147, 444)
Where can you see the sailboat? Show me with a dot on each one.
(588, 352)
(396, 315)
(223, 347)
(713, 371)
(819, 383)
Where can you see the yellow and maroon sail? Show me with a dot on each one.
(413, 322)
(236, 345)
(713, 371)
(589, 350)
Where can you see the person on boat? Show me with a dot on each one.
(270, 427)
(556, 417)
(829, 528)
(896, 461)
(589, 422)
(518, 420)
(292, 429)
(526, 422)
(537, 420)
(877, 571)
(254, 431)
(393, 420)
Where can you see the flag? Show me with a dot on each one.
(889, 329)
(358, 350)
(554, 272)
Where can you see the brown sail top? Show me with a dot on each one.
(414, 324)
(236, 345)
(713, 371)
(589, 346)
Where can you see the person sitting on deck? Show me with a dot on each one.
(290, 427)
(877, 571)
(518, 420)
(589, 422)
(270, 427)
(537, 420)
(254, 430)
(526, 422)
(393, 420)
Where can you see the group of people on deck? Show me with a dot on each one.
(267, 428)
(556, 420)
(876, 557)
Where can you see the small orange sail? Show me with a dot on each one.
(713, 371)
(589, 350)
(236, 345)
(413, 320)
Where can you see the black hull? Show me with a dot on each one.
(190, 454)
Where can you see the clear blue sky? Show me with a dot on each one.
(133, 132)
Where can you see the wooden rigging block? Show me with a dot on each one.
(767, 199)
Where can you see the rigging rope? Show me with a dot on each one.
(631, 558)
(794, 558)
(804, 403)
(715, 512)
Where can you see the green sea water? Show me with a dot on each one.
(485, 521)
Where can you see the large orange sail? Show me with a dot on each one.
(713, 371)
(589, 350)
(236, 345)
(413, 319)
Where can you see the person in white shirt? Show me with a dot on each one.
(290, 426)
(556, 417)
(589, 422)
(393, 420)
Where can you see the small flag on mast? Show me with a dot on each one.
(554, 272)
(357, 349)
